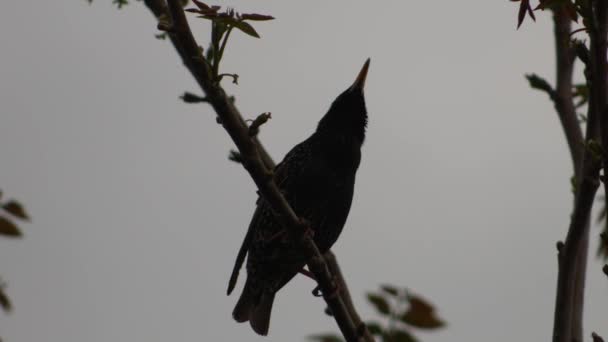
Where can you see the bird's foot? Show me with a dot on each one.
(335, 290)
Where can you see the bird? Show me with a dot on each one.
(317, 178)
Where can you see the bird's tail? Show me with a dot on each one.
(255, 308)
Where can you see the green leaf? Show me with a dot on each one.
(120, 3)
(390, 289)
(235, 156)
(539, 83)
(161, 36)
(399, 336)
(326, 338)
(16, 209)
(5, 302)
(379, 302)
(248, 29)
(421, 314)
(582, 93)
(189, 97)
(8, 228)
(375, 328)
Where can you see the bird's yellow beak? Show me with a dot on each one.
(360, 80)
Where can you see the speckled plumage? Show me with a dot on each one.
(317, 178)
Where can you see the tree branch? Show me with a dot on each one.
(568, 256)
(572, 257)
(564, 104)
(334, 267)
(599, 71)
(254, 158)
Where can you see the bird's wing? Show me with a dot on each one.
(286, 173)
(240, 258)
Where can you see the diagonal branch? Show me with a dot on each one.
(255, 160)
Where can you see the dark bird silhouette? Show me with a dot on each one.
(317, 178)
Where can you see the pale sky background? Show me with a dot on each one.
(462, 193)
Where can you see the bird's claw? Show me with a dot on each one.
(335, 290)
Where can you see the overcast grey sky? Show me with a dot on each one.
(137, 215)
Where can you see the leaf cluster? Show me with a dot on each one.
(574, 9)
(11, 210)
(222, 24)
(401, 311)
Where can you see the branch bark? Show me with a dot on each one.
(564, 105)
(599, 70)
(572, 257)
(257, 162)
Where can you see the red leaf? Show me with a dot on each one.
(524, 7)
(201, 5)
(256, 17)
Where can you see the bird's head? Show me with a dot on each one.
(347, 114)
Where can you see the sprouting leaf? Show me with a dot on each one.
(568, 6)
(256, 17)
(235, 156)
(390, 289)
(374, 328)
(581, 91)
(189, 97)
(201, 5)
(8, 228)
(596, 337)
(524, 7)
(421, 314)
(602, 250)
(379, 302)
(399, 336)
(326, 338)
(120, 3)
(16, 209)
(539, 83)
(247, 28)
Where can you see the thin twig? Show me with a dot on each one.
(562, 98)
(254, 159)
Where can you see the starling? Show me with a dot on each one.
(317, 178)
